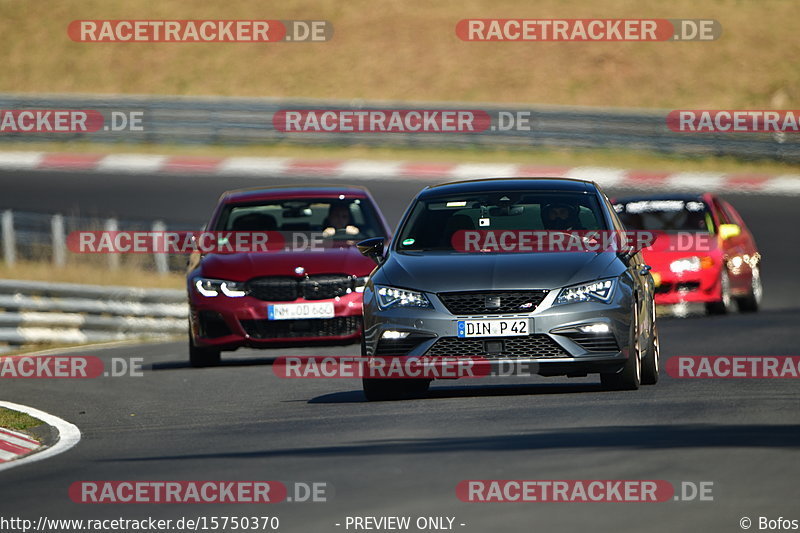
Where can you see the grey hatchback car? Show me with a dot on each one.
(569, 313)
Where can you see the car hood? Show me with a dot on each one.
(245, 266)
(452, 271)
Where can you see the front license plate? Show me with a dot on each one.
(493, 328)
(307, 310)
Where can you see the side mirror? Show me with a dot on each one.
(372, 248)
(625, 255)
(726, 231)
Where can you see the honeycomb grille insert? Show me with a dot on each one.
(485, 303)
(530, 347)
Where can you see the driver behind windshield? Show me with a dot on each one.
(339, 219)
(560, 217)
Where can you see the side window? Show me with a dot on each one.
(723, 216)
(730, 213)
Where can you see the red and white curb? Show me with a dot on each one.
(356, 169)
(68, 436)
(14, 445)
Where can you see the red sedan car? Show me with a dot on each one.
(309, 291)
(705, 255)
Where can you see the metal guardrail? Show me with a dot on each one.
(42, 312)
(185, 120)
(41, 236)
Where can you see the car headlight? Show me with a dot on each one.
(213, 287)
(600, 290)
(391, 297)
(690, 264)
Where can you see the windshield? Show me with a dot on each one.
(433, 221)
(665, 215)
(335, 219)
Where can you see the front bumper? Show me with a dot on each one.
(230, 323)
(702, 286)
(551, 348)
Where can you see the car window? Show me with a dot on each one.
(721, 214)
(433, 221)
(730, 213)
(349, 219)
(665, 215)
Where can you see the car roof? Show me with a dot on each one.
(256, 194)
(509, 184)
(686, 197)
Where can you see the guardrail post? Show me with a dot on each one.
(113, 259)
(161, 259)
(59, 240)
(9, 238)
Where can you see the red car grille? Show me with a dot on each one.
(286, 289)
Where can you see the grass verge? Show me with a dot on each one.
(17, 421)
(92, 274)
(409, 51)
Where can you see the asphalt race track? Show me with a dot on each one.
(241, 422)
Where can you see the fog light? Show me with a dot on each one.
(594, 328)
(391, 334)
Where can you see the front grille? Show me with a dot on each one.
(326, 286)
(274, 289)
(286, 289)
(531, 346)
(475, 303)
(664, 288)
(290, 329)
(684, 286)
(391, 347)
(592, 342)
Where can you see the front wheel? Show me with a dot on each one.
(199, 357)
(651, 359)
(752, 302)
(721, 306)
(630, 377)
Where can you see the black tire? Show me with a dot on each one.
(383, 389)
(752, 302)
(199, 357)
(380, 389)
(630, 377)
(724, 304)
(651, 359)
